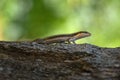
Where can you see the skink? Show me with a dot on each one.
(69, 38)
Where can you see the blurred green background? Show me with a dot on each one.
(31, 19)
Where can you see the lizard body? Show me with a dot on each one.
(63, 38)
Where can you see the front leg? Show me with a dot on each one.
(71, 40)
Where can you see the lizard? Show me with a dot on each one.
(69, 38)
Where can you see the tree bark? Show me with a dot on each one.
(27, 60)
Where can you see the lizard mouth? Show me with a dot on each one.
(89, 34)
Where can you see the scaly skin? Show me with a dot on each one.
(69, 38)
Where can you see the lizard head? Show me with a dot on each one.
(82, 34)
(85, 33)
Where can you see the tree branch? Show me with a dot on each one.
(58, 61)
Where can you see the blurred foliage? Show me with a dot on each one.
(30, 19)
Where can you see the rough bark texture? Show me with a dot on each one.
(32, 61)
